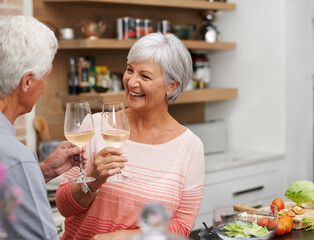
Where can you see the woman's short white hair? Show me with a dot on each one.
(26, 45)
(172, 55)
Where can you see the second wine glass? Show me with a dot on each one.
(115, 129)
(79, 129)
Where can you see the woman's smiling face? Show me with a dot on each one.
(144, 85)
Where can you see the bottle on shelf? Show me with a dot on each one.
(116, 81)
(73, 81)
(98, 76)
(92, 74)
(92, 78)
(105, 77)
(83, 74)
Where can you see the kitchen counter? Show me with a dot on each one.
(233, 159)
(293, 235)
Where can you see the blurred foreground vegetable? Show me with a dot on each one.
(301, 192)
(309, 222)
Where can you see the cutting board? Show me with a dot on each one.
(297, 220)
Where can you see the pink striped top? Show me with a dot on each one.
(171, 173)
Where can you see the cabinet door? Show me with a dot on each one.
(254, 185)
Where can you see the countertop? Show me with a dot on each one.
(232, 159)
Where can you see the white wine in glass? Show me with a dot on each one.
(115, 129)
(79, 130)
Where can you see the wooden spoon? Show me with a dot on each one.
(41, 127)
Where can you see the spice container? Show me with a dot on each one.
(126, 28)
(164, 26)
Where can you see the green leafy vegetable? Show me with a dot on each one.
(245, 230)
(301, 192)
(309, 224)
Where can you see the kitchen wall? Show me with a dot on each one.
(272, 68)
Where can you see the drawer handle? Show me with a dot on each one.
(258, 188)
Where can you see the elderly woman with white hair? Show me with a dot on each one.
(27, 49)
(165, 159)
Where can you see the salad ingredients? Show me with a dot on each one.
(287, 223)
(264, 221)
(298, 210)
(309, 223)
(281, 229)
(278, 203)
(272, 225)
(245, 230)
(301, 192)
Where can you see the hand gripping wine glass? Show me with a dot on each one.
(115, 129)
(79, 129)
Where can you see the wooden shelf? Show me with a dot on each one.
(108, 43)
(190, 4)
(186, 97)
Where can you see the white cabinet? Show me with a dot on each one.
(256, 184)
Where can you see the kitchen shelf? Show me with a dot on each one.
(127, 44)
(190, 4)
(186, 97)
(109, 43)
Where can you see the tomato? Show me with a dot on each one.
(278, 203)
(287, 223)
(272, 225)
(264, 221)
(298, 210)
(288, 219)
(290, 214)
(281, 228)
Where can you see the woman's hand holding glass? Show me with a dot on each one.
(115, 129)
(107, 162)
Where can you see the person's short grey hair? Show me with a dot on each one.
(172, 55)
(26, 45)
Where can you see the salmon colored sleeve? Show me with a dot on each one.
(184, 218)
(66, 204)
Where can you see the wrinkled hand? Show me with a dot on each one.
(108, 162)
(62, 159)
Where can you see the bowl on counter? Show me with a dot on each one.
(230, 224)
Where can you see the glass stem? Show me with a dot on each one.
(81, 175)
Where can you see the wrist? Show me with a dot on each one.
(87, 189)
(46, 171)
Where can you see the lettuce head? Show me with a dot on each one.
(301, 192)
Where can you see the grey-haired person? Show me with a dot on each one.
(27, 50)
(164, 158)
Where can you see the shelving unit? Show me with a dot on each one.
(112, 52)
(107, 43)
(186, 97)
(190, 4)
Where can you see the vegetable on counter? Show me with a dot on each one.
(245, 230)
(309, 223)
(301, 192)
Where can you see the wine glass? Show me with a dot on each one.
(115, 129)
(79, 129)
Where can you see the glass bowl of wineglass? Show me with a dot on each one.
(79, 129)
(115, 129)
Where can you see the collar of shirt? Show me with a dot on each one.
(6, 125)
